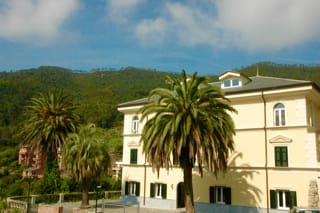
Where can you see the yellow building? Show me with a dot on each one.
(275, 164)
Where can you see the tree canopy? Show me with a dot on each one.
(189, 124)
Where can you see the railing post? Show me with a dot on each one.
(33, 199)
(61, 198)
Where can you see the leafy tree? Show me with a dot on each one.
(85, 157)
(190, 122)
(51, 182)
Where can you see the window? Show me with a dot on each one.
(282, 199)
(133, 156)
(279, 115)
(132, 188)
(220, 194)
(135, 124)
(231, 83)
(158, 190)
(281, 156)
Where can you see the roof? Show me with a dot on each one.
(134, 103)
(263, 83)
(256, 83)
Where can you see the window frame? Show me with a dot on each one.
(158, 190)
(232, 82)
(132, 188)
(281, 156)
(283, 199)
(220, 195)
(135, 125)
(279, 115)
(134, 156)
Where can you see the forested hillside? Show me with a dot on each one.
(97, 94)
(300, 72)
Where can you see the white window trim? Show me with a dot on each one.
(279, 110)
(283, 200)
(158, 188)
(132, 188)
(231, 83)
(135, 124)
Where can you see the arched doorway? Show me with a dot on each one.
(180, 195)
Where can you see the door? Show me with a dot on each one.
(180, 195)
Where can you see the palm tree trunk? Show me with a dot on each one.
(85, 194)
(188, 190)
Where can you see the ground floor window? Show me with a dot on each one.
(158, 190)
(220, 194)
(283, 199)
(132, 188)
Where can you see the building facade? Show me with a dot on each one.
(33, 159)
(275, 164)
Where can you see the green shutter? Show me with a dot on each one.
(284, 156)
(164, 191)
(212, 194)
(273, 199)
(291, 199)
(227, 195)
(126, 188)
(133, 156)
(137, 188)
(152, 188)
(281, 156)
(277, 152)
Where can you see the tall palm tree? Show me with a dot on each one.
(191, 122)
(85, 157)
(51, 117)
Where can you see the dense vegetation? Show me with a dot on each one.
(97, 94)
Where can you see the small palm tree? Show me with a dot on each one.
(190, 122)
(85, 157)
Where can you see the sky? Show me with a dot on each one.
(204, 36)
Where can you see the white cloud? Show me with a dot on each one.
(151, 32)
(34, 20)
(119, 11)
(258, 25)
(269, 24)
(192, 26)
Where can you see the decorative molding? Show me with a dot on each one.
(133, 143)
(280, 139)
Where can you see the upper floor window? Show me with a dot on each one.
(135, 124)
(282, 199)
(132, 188)
(158, 190)
(235, 82)
(133, 156)
(279, 111)
(281, 156)
(220, 194)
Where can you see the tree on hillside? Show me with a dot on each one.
(86, 158)
(190, 122)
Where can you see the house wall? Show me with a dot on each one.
(252, 171)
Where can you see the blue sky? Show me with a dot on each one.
(207, 36)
